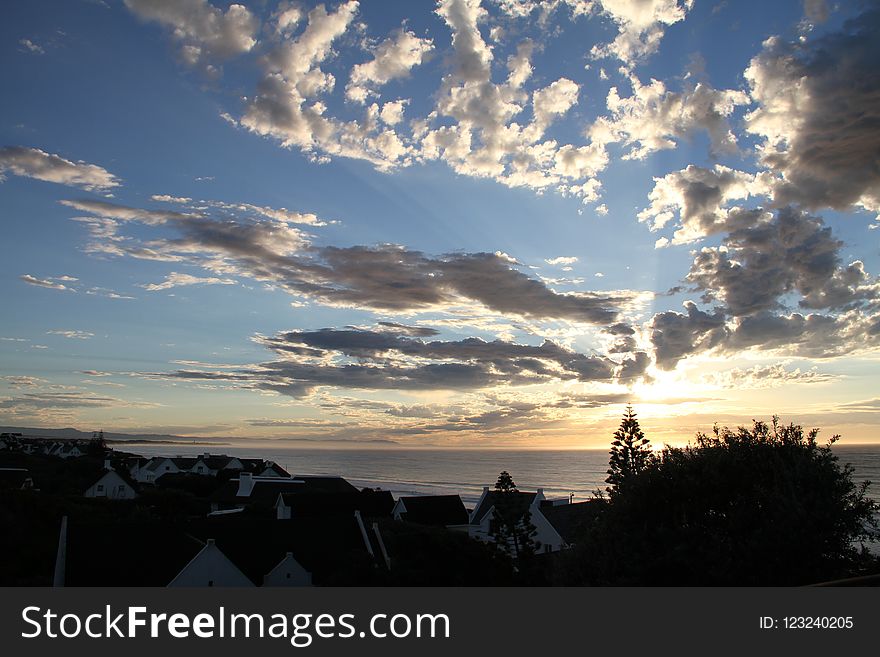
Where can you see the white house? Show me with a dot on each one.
(158, 466)
(288, 572)
(210, 567)
(112, 486)
(68, 451)
(481, 517)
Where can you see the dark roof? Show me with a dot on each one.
(570, 520)
(319, 484)
(13, 477)
(265, 491)
(371, 503)
(523, 499)
(215, 462)
(126, 553)
(325, 546)
(435, 510)
(184, 462)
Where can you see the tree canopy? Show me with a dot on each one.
(630, 452)
(765, 505)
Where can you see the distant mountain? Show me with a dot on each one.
(70, 433)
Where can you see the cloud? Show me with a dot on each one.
(24, 381)
(62, 400)
(166, 198)
(817, 116)
(640, 24)
(792, 252)
(387, 360)
(383, 277)
(654, 119)
(206, 34)
(42, 282)
(175, 279)
(562, 260)
(698, 196)
(32, 47)
(676, 335)
(766, 376)
(71, 334)
(394, 58)
(34, 163)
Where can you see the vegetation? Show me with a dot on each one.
(765, 505)
(630, 453)
(511, 525)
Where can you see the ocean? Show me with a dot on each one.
(561, 473)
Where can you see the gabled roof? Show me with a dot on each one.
(184, 462)
(435, 510)
(271, 465)
(324, 546)
(212, 563)
(122, 473)
(157, 462)
(570, 520)
(215, 462)
(491, 499)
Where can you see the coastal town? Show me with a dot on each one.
(81, 513)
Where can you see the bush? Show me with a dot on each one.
(765, 505)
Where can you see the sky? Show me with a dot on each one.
(462, 223)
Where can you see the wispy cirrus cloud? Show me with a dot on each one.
(49, 283)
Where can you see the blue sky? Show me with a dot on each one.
(461, 224)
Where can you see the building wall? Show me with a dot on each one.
(111, 486)
(288, 573)
(210, 567)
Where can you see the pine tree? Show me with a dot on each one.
(511, 527)
(630, 452)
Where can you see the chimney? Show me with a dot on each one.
(245, 484)
(206, 455)
(485, 490)
(209, 542)
(107, 464)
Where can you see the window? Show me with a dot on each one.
(100, 488)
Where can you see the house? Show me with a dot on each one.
(66, 451)
(305, 501)
(272, 469)
(210, 567)
(158, 466)
(113, 485)
(480, 520)
(16, 479)
(208, 464)
(441, 510)
(571, 520)
(248, 489)
(288, 572)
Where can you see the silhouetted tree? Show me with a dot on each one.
(511, 526)
(765, 505)
(97, 445)
(630, 452)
